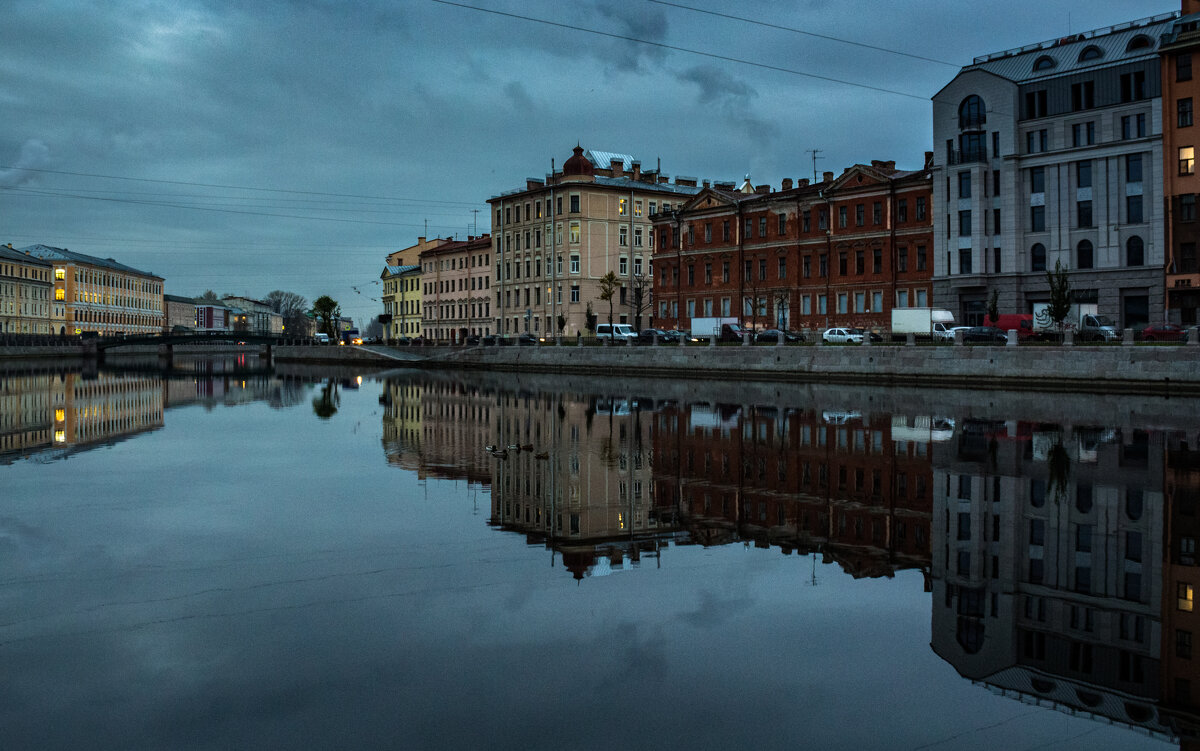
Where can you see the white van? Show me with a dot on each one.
(616, 331)
(321, 338)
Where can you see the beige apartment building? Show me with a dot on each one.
(25, 293)
(456, 284)
(100, 294)
(557, 237)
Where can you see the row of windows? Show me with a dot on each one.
(865, 302)
(761, 266)
(1085, 258)
(462, 262)
(533, 209)
(24, 272)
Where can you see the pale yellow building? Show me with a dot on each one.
(402, 300)
(100, 294)
(25, 293)
(556, 238)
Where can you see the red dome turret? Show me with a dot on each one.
(578, 164)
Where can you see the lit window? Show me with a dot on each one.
(1187, 160)
(60, 294)
(60, 274)
(1184, 596)
(623, 207)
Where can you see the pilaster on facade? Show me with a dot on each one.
(26, 294)
(1048, 154)
(555, 239)
(456, 289)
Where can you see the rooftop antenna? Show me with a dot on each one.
(475, 222)
(814, 153)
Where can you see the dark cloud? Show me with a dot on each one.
(34, 155)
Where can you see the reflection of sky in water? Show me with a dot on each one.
(259, 577)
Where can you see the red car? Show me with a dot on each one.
(1167, 332)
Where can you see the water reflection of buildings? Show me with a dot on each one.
(1048, 569)
(853, 487)
(55, 414)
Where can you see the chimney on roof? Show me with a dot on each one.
(1190, 6)
(617, 166)
(802, 182)
(706, 183)
(761, 189)
(827, 177)
(786, 184)
(637, 169)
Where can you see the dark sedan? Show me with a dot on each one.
(985, 335)
(771, 336)
(1167, 332)
(646, 336)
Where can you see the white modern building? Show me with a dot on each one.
(1052, 153)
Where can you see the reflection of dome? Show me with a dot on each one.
(578, 164)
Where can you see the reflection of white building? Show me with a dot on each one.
(1047, 574)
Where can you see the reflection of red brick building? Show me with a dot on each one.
(798, 479)
(1181, 613)
(841, 251)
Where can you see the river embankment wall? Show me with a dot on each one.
(1088, 369)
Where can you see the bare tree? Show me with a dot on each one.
(642, 299)
(608, 286)
(292, 307)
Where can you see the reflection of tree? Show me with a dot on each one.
(326, 404)
(1060, 470)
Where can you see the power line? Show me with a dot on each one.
(231, 187)
(674, 48)
(202, 208)
(805, 33)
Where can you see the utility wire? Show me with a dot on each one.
(675, 48)
(805, 33)
(28, 191)
(231, 187)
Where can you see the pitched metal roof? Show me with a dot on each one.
(62, 254)
(625, 182)
(19, 255)
(1112, 42)
(397, 270)
(603, 159)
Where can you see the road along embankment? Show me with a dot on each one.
(1090, 369)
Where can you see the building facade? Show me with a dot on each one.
(255, 316)
(25, 293)
(1050, 154)
(101, 295)
(843, 251)
(212, 316)
(181, 313)
(1180, 90)
(456, 280)
(555, 239)
(402, 301)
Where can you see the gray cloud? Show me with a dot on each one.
(34, 155)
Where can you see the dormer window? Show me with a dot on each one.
(1091, 52)
(1045, 62)
(1139, 42)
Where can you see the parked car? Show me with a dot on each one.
(1167, 332)
(732, 332)
(472, 339)
(771, 336)
(646, 336)
(985, 335)
(321, 338)
(525, 339)
(615, 331)
(842, 336)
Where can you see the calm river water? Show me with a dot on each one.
(226, 556)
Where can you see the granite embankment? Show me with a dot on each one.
(1159, 369)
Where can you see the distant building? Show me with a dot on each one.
(456, 286)
(25, 293)
(102, 295)
(181, 313)
(213, 316)
(411, 255)
(402, 300)
(255, 316)
(1048, 154)
(554, 239)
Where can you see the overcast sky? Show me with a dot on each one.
(246, 147)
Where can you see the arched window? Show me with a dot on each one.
(1045, 62)
(1135, 252)
(1037, 257)
(971, 112)
(1091, 52)
(1141, 41)
(1084, 255)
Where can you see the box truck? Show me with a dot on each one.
(1084, 319)
(702, 328)
(929, 323)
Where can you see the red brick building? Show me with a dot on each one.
(842, 251)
